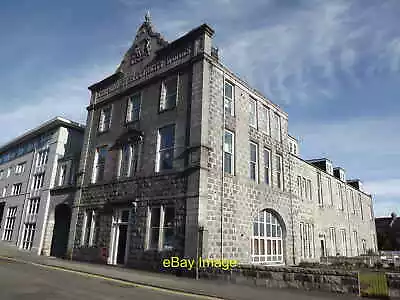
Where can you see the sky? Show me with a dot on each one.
(333, 66)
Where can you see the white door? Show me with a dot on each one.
(119, 244)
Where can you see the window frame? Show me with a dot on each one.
(299, 187)
(267, 239)
(130, 108)
(279, 172)
(62, 176)
(253, 163)
(29, 235)
(343, 237)
(227, 99)
(341, 198)
(319, 188)
(355, 240)
(95, 172)
(38, 181)
(330, 191)
(268, 167)
(102, 118)
(333, 241)
(9, 223)
(232, 154)
(161, 227)
(278, 126)
(16, 189)
(158, 165)
(20, 168)
(264, 119)
(33, 206)
(163, 99)
(88, 229)
(309, 188)
(252, 104)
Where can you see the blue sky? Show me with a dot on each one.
(334, 66)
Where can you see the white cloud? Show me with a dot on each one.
(364, 147)
(384, 188)
(357, 136)
(68, 98)
(285, 47)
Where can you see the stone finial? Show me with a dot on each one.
(147, 17)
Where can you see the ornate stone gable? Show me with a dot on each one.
(143, 49)
(151, 55)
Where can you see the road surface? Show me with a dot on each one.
(22, 281)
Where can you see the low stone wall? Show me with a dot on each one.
(337, 260)
(337, 281)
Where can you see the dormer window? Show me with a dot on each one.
(329, 168)
(342, 175)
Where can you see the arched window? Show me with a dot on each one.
(267, 239)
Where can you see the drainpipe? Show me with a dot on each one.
(222, 169)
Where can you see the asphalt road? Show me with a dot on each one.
(22, 281)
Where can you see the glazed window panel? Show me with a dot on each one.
(332, 237)
(105, 119)
(169, 93)
(62, 175)
(253, 162)
(134, 105)
(166, 143)
(10, 222)
(267, 239)
(229, 98)
(277, 127)
(29, 234)
(162, 227)
(155, 227)
(99, 164)
(168, 227)
(229, 140)
(267, 166)
(253, 112)
(129, 157)
(307, 240)
(330, 191)
(263, 113)
(279, 171)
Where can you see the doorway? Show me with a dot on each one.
(59, 241)
(119, 237)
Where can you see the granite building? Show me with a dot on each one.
(37, 186)
(181, 157)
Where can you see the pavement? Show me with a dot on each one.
(24, 275)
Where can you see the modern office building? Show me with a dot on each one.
(37, 186)
(182, 157)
